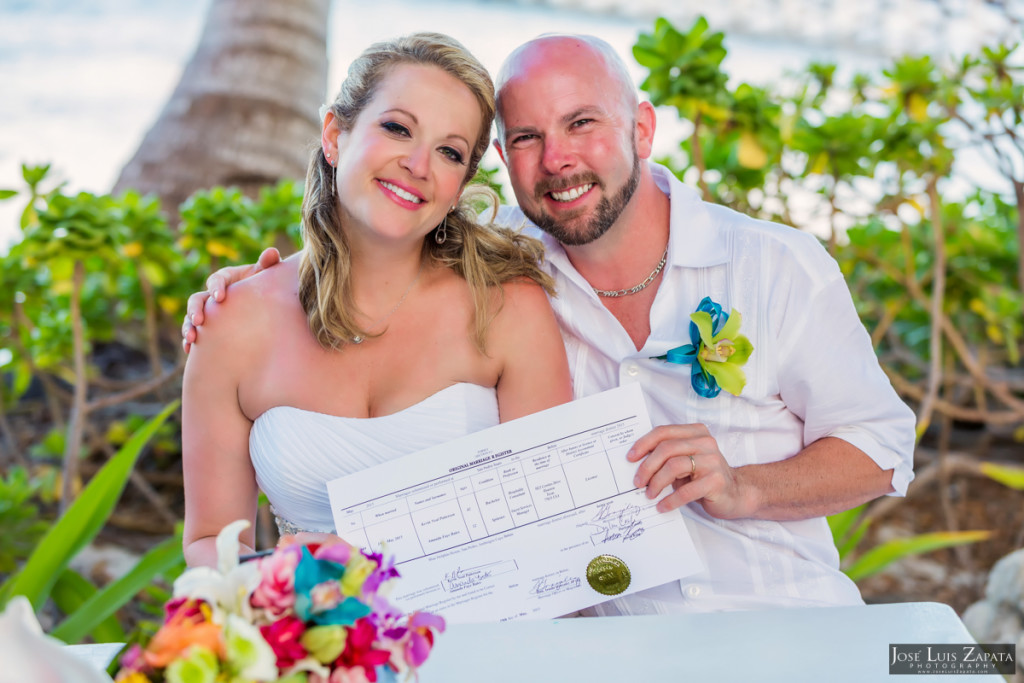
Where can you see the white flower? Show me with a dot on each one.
(247, 650)
(28, 654)
(227, 588)
(308, 665)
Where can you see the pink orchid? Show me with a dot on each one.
(340, 553)
(184, 607)
(385, 572)
(360, 650)
(326, 596)
(354, 675)
(283, 637)
(421, 636)
(134, 659)
(276, 592)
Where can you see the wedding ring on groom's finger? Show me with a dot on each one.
(693, 467)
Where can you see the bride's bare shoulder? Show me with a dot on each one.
(255, 306)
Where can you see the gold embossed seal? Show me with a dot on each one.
(608, 575)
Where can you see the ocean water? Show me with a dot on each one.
(82, 80)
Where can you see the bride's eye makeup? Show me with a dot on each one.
(399, 130)
(453, 154)
(395, 128)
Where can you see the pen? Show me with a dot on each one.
(256, 555)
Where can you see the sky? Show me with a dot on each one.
(82, 80)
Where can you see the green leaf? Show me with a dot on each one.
(881, 556)
(81, 522)
(7, 194)
(72, 593)
(28, 216)
(106, 602)
(34, 175)
(854, 539)
(1004, 474)
(842, 523)
(848, 529)
(155, 273)
(21, 381)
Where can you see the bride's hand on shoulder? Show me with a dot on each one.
(217, 291)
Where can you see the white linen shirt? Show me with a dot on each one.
(812, 374)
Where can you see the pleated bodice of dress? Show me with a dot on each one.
(296, 452)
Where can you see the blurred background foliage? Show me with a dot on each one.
(873, 165)
(92, 296)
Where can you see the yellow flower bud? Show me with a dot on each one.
(220, 249)
(132, 250)
(325, 643)
(917, 107)
(751, 154)
(168, 304)
(356, 573)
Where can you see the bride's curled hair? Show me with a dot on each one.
(484, 255)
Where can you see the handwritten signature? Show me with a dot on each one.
(616, 524)
(460, 579)
(541, 586)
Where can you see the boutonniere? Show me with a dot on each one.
(716, 352)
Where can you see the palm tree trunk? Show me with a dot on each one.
(246, 108)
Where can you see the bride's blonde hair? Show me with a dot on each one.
(484, 255)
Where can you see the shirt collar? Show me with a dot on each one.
(694, 241)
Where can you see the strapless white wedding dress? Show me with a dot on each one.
(295, 452)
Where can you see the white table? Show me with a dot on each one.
(836, 644)
(99, 655)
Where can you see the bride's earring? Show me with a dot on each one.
(442, 231)
(334, 170)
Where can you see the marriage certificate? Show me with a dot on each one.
(531, 519)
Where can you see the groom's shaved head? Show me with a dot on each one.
(566, 53)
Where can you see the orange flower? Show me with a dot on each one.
(178, 635)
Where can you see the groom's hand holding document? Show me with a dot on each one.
(530, 519)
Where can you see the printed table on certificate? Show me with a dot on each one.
(530, 519)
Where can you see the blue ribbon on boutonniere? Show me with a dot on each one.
(716, 352)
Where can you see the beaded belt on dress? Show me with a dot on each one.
(285, 526)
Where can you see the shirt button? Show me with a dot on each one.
(632, 370)
(692, 591)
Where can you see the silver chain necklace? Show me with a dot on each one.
(383, 319)
(636, 288)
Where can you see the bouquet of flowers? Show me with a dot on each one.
(303, 614)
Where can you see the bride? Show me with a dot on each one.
(402, 324)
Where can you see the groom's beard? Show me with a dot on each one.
(607, 212)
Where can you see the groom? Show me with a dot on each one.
(817, 429)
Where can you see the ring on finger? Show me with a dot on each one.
(693, 467)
